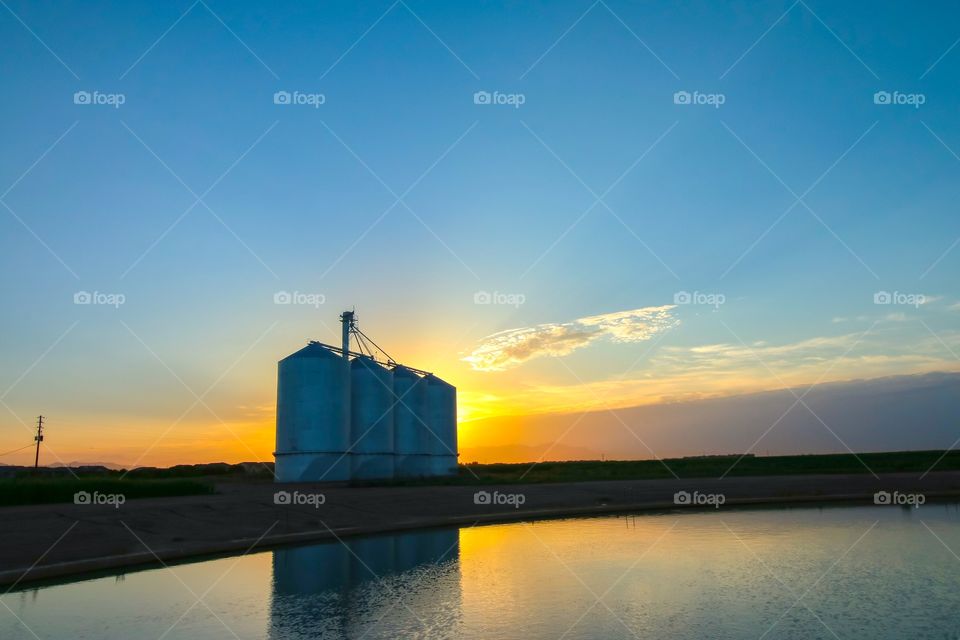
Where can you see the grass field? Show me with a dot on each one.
(21, 491)
(198, 479)
(700, 467)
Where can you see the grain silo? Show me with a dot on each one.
(409, 423)
(344, 415)
(313, 419)
(441, 419)
(371, 420)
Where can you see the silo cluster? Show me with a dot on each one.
(343, 415)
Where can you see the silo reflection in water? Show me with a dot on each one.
(371, 558)
(351, 588)
(306, 570)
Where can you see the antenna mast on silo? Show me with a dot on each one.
(348, 320)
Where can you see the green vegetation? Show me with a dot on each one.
(20, 491)
(701, 467)
(185, 480)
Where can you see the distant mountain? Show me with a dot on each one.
(246, 469)
(885, 414)
(108, 465)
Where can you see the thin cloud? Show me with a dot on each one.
(685, 373)
(513, 347)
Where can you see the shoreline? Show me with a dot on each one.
(47, 542)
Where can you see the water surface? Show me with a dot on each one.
(848, 572)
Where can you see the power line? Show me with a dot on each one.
(6, 453)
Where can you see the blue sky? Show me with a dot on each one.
(498, 195)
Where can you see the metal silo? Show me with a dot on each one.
(410, 436)
(313, 419)
(441, 418)
(371, 420)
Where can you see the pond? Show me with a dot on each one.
(803, 572)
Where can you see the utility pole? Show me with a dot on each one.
(39, 439)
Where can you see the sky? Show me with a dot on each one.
(559, 207)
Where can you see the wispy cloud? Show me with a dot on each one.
(675, 373)
(515, 346)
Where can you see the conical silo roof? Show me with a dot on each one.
(313, 350)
